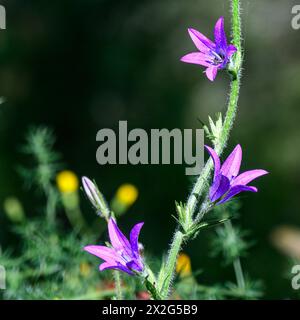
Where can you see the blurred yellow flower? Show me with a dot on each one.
(85, 269)
(67, 181)
(183, 266)
(127, 194)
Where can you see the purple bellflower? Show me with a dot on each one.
(212, 55)
(227, 181)
(123, 254)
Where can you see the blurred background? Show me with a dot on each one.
(78, 66)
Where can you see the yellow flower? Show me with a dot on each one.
(85, 269)
(67, 181)
(127, 194)
(183, 266)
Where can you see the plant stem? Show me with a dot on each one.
(237, 262)
(202, 181)
(164, 287)
(51, 204)
(119, 294)
(239, 273)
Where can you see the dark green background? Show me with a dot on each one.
(82, 65)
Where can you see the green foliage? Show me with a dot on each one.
(38, 146)
(50, 262)
(214, 130)
(47, 266)
(229, 241)
(45, 164)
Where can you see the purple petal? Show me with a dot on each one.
(117, 238)
(106, 265)
(134, 265)
(216, 160)
(105, 253)
(202, 43)
(236, 190)
(220, 36)
(197, 58)
(220, 186)
(246, 177)
(231, 49)
(118, 266)
(134, 238)
(211, 72)
(232, 164)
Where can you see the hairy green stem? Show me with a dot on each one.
(118, 288)
(169, 269)
(202, 182)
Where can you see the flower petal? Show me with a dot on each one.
(232, 164)
(134, 238)
(211, 72)
(220, 36)
(202, 43)
(135, 265)
(231, 49)
(117, 238)
(197, 58)
(105, 253)
(120, 267)
(236, 190)
(247, 176)
(220, 186)
(216, 160)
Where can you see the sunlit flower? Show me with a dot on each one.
(227, 181)
(183, 266)
(67, 181)
(127, 194)
(212, 55)
(123, 254)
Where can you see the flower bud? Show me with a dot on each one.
(94, 196)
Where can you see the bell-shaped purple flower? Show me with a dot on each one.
(123, 254)
(227, 181)
(212, 55)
